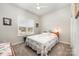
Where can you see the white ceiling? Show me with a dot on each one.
(51, 7)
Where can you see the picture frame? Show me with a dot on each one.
(37, 25)
(7, 21)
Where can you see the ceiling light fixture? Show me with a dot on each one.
(38, 7)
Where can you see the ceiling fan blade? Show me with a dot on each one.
(43, 6)
(37, 4)
(40, 5)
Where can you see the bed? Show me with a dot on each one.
(6, 49)
(42, 43)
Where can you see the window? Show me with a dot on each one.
(25, 26)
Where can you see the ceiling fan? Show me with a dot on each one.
(38, 6)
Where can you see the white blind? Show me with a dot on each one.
(25, 22)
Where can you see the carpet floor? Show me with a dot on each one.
(58, 50)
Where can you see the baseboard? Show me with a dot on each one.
(64, 42)
(17, 43)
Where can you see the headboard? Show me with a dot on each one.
(57, 33)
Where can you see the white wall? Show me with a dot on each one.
(61, 19)
(9, 33)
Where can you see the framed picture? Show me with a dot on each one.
(7, 21)
(37, 25)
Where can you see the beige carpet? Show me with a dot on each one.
(59, 50)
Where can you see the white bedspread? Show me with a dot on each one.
(42, 43)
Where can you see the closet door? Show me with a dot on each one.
(75, 30)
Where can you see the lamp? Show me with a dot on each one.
(57, 29)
